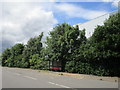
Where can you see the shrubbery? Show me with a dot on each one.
(85, 68)
(36, 62)
(98, 55)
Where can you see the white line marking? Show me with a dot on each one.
(30, 77)
(51, 83)
(59, 85)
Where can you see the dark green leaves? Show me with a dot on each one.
(98, 55)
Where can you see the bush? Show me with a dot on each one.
(85, 68)
(70, 67)
(36, 62)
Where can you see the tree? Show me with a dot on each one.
(0, 60)
(105, 44)
(36, 62)
(63, 40)
(100, 53)
(34, 46)
(12, 57)
(16, 55)
(5, 55)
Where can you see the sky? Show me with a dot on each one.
(21, 20)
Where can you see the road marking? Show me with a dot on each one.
(59, 85)
(30, 77)
(17, 74)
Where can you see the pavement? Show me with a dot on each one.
(27, 78)
(0, 77)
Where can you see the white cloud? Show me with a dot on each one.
(20, 21)
(23, 20)
(75, 11)
(107, 0)
(115, 3)
(27, 0)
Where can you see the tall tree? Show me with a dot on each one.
(5, 55)
(34, 46)
(103, 46)
(16, 54)
(63, 40)
(100, 54)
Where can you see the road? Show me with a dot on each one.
(23, 78)
(0, 77)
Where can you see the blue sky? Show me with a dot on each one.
(99, 6)
(21, 19)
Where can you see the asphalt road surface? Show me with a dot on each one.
(23, 78)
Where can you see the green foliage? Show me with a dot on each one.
(0, 60)
(106, 41)
(23, 64)
(36, 62)
(63, 40)
(16, 54)
(98, 55)
(12, 57)
(34, 46)
(25, 56)
(85, 68)
(5, 55)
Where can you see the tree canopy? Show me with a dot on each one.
(98, 55)
(63, 41)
